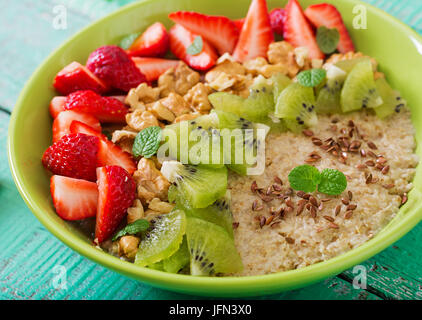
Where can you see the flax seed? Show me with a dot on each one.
(278, 180)
(333, 225)
(345, 201)
(290, 203)
(313, 201)
(300, 209)
(316, 141)
(269, 220)
(320, 207)
(351, 207)
(388, 186)
(351, 123)
(262, 221)
(274, 224)
(381, 160)
(371, 145)
(370, 163)
(288, 210)
(385, 170)
(369, 179)
(326, 199)
(277, 187)
(379, 167)
(308, 133)
(290, 240)
(300, 194)
(362, 153)
(328, 218)
(313, 212)
(371, 154)
(348, 214)
(361, 166)
(311, 160)
(308, 206)
(337, 210)
(350, 194)
(254, 187)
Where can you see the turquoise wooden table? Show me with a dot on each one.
(35, 265)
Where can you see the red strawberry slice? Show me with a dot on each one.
(63, 121)
(75, 155)
(116, 194)
(57, 105)
(109, 153)
(327, 15)
(239, 23)
(256, 34)
(299, 32)
(105, 109)
(74, 199)
(154, 42)
(114, 66)
(277, 17)
(219, 31)
(181, 39)
(77, 77)
(153, 68)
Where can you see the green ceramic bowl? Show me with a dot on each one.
(397, 48)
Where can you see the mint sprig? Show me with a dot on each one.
(333, 182)
(307, 178)
(311, 78)
(128, 40)
(327, 39)
(196, 46)
(147, 142)
(135, 227)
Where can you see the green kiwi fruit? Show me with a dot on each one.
(163, 238)
(212, 250)
(348, 64)
(296, 106)
(280, 82)
(393, 102)
(195, 186)
(359, 90)
(178, 260)
(219, 213)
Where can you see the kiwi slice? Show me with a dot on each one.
(328, 97)
(348, 64)
(393, 102)
(296, 105)
(178, 260)
(359, 90)
(195, 141)
(242, 142)
(211, 249)
(280, 82)
(195, 186)
(219, 213)
(163, 239)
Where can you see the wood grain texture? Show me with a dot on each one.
(31, 257)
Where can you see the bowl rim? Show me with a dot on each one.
(242, 286)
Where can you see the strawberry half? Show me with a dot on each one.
(105, 109)
(116, 190)
(75, 155)
(298, 32)
(256, 34)
(154, 42)
(56, 106)
(114, 66)
(239, 23)
(219, 31)
(61, 125)
(108, 153)
(327, 15)
(153, 68)
(74, 199)
(181, 39)
(277, 17)
(77, 77)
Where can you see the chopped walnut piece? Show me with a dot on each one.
(282, 52)
(143, 94)
(302, 57)
(161, 112)
(260, 66)
(178, 80)
(135, 212)
(160, 206)
(176, 104)
(120, 135)
(138, 120)
(187, 116)
(128, 246)
(150, 182)
(197, 97)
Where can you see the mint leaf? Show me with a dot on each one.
(140, 225)
(304, 178)
(147, 142)
(311, 78)
(327, 39)
(333, 182)
(196, 46)
(127, 41)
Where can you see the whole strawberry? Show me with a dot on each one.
(277, 17)
(74, 155)
(117, 191)
(114, 66)
(105, 109)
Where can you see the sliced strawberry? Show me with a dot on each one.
(114, 66)
(63, 121)
(74, 155)
(109, 153)
(181, 39)
(74, 199)
(219, 31)
(327, 15)
(153, 68)
(105, 109)
(154, 42)
(117, 191)
(256, 34)
(120, 98)
(57, 105)
(239, 23)
(77, 77)
(298, 31)
(277, 17)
